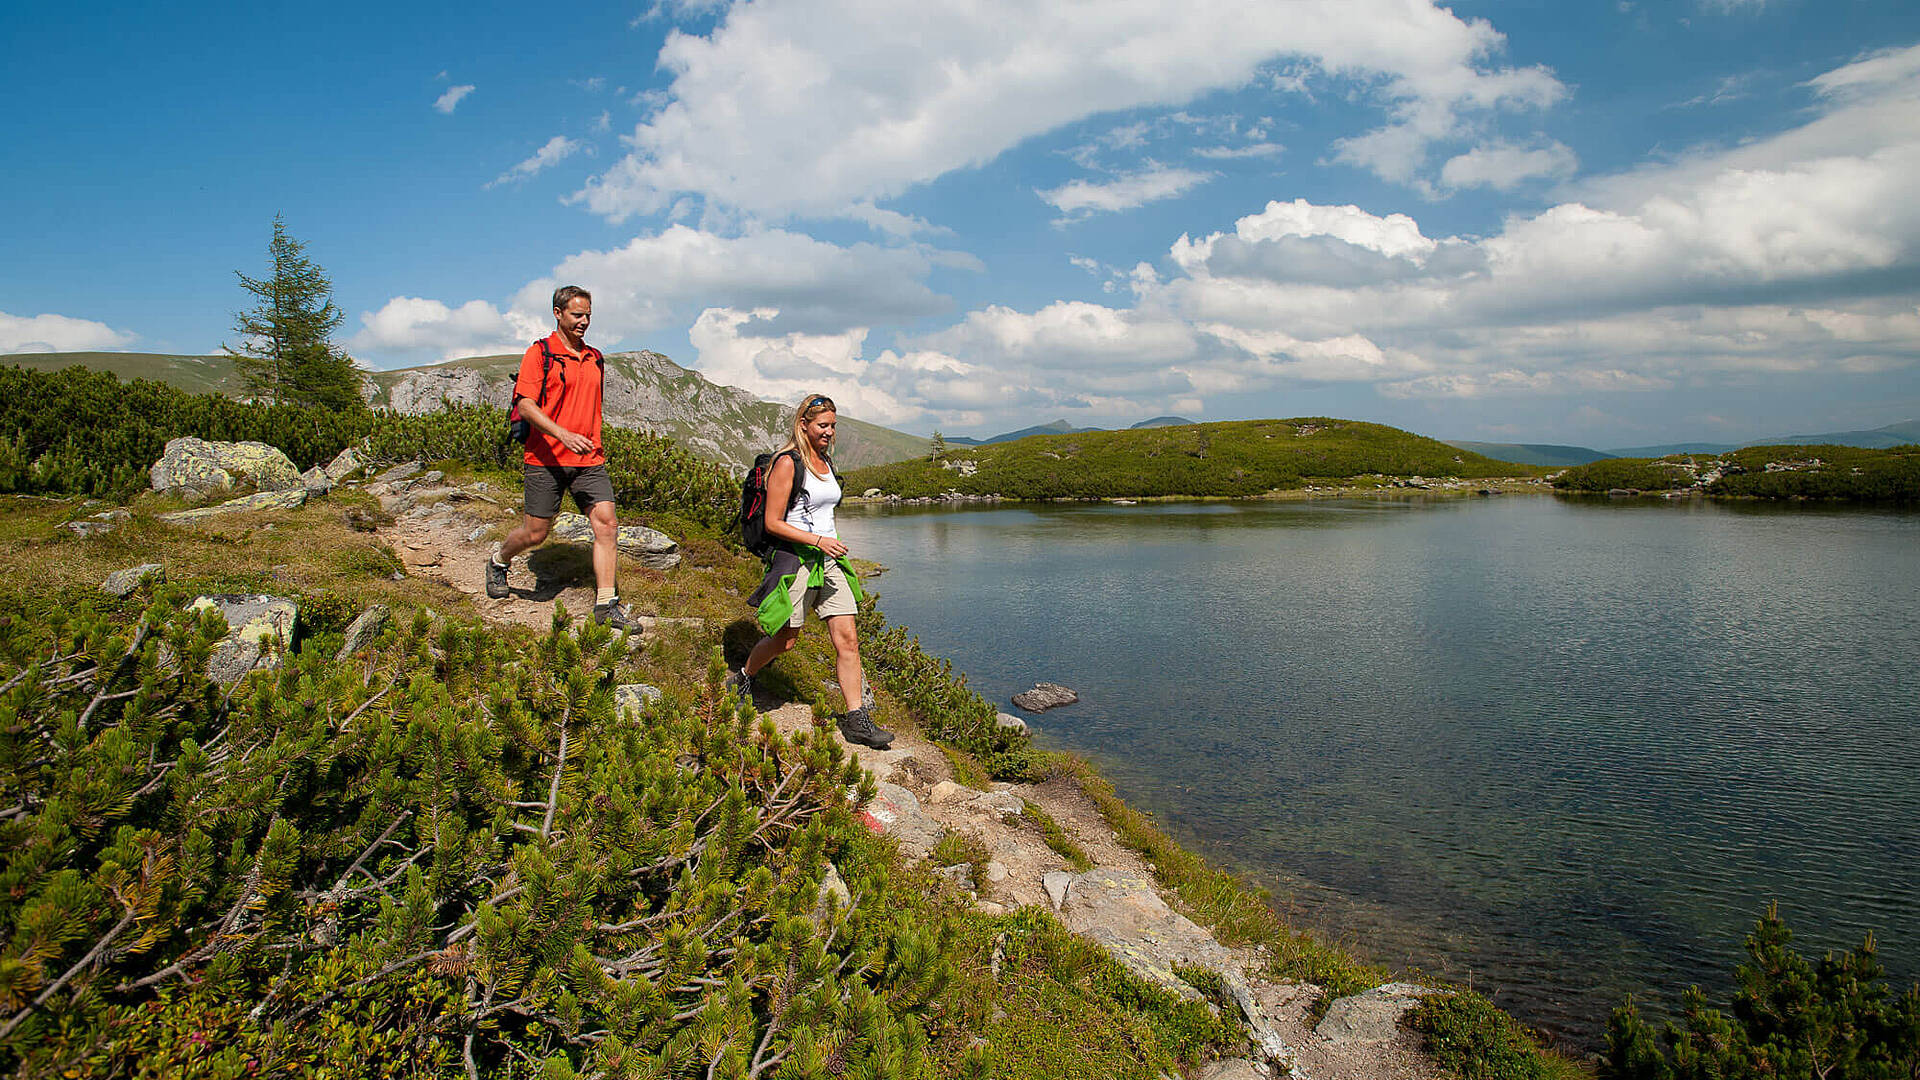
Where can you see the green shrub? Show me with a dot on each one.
(1636, 474)
(1474, 1040)
(1790, 1019)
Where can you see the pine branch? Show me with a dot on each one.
(100, 695)
(54, 988)
(559, 765)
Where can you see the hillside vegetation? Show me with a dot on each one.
(1236, 458)
(1841, 473)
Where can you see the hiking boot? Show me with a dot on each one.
(857, 727)
(496, 579)
(741, 685)
(615, 614)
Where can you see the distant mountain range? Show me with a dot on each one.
(1904, 433)
(644, 391)
(1059, 427)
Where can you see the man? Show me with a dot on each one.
(558, 394)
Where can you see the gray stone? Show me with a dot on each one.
(1234, 1069)
(431, 476)
(364, 630)
(870, 493)
(344, 463)
(99, 524)
(122, 582)
(996, 870)
(259, 629)
(1005, 805)
(634, 698)
(1008, 720)
(1045, 696)
(1373, 1016)
(895, 812)
(291, 499)
(399, 472)
(316, 481)
(832, 884)
(654, 549)
(1056, 882)
(196, 468)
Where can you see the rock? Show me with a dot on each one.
(635, 698)
(1126, 916)
(259, 628)
(363, 631)
(399, 472)
(431, 476)
(655, 549)
(1056, 882)
(122, 582)
(1373, 1016)
(197, 468)
(1234, 1069)
(989, 907)
(1007, 806)
(344, 464)
(895, 812)
(1045, 696)
(316, 481)
(1008, 720)
(997, 870)
(832, 884)
(961, 874)
(947, 791)
(291, 499)
(99, 524)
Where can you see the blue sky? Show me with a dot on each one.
(1601, 223)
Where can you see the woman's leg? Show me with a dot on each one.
(846, 656)
(770, 647)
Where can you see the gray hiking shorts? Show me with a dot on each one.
(546, 485)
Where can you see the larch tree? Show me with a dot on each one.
(286, 352)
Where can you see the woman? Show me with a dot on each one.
(809, 566)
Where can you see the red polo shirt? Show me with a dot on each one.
(572, 400)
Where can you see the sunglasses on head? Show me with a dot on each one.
(819, 401)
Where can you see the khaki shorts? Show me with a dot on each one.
(546, 484)
(833, 597)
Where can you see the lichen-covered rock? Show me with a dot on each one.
(365, 628)
(99, 524)
(259, 629)
(195, 468)
(316, 481)
(399, 472)
(634, 698)
(344, 463)
(122, 582)
(265, 500)
(654, 549)
(1125, 914)
(1045, 696)
(895, 812)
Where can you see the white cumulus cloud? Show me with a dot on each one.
(58, 333)
(1079, 198)
(421, 330)
(1504, 167)
(791, 109)
(451, 99)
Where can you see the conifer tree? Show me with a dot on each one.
(938, 445)
(286, 352)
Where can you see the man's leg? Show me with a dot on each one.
(606, 547)
(529, 534)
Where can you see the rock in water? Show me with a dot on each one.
(122, 582)
(259, 629)
(196, 468)
(1045, 696)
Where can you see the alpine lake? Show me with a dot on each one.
(1559, 749)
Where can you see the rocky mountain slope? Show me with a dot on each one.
(645, 391)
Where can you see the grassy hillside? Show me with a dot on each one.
(194, 374)
(1230, 458)
(1843, 473)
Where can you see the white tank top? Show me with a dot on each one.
(810, 508)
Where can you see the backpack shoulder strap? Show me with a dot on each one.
(546, 366)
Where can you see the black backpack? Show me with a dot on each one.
(519, 428)
(752, 521)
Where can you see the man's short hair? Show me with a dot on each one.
(564, 295)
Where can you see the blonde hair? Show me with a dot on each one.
(810, 406)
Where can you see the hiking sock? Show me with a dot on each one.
(606, 596)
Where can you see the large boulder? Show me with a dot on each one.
(196, 468)
(654, 549)
(896, 812)
(291, 499)
(259, 629)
